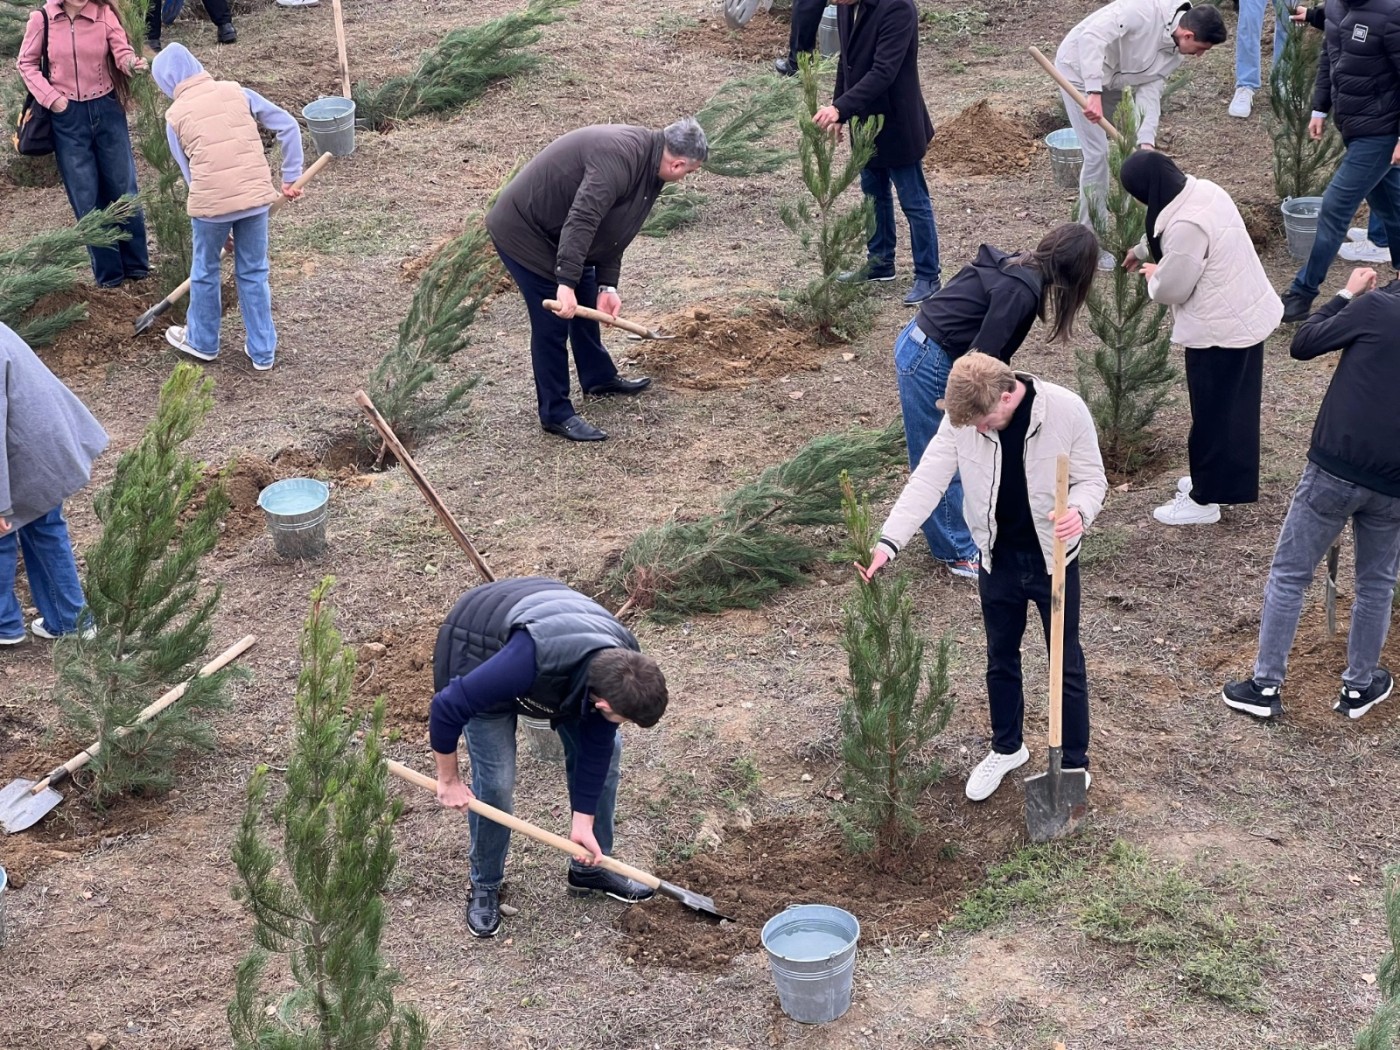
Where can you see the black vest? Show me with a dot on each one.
(566, 627)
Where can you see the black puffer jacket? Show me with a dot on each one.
(1358, 76)
(566, 627)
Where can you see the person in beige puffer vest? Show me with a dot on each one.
(212, 128)
(1204, 267)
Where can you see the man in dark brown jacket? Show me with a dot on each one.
(561, 226)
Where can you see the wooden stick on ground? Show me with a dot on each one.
(444, 515)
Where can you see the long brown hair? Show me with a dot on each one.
(1066, 258)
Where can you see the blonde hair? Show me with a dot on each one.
(975, 385)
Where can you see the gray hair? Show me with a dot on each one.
(686, 139)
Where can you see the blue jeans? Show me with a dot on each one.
(551, 336)
(52, 572)
(1321, 506)
(491, 746)
(1247, 41)
(254, 296)
(1365, 173)
(922, 373)
(914, 201)
(93, 149)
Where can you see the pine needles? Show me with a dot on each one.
(14, 15)
(54, 262)
(748, 550)
(152, 613)
(1302, 167)
(461, 67)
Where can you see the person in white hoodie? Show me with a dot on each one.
(1003, 432)
(1128, 43)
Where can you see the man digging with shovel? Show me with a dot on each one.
(1003, 431)
(533, 646)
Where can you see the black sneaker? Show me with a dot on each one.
(1356, 702)
(1259, 701)
(227, 34)
(153, 43)
(785, 67)
(871, 274)
(484, 912)
(1296, 307)
(586, 882)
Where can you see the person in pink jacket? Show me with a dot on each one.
(89, 63)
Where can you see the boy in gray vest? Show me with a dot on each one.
(536, 647)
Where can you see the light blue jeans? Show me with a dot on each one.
(921, 370)
(1321, 507)
(52, 572)
(491, 747)
(254, 296)
(1247, 42)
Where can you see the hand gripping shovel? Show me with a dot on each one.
(144, 322)
(695, 901)
(1055, 799)
(23, 803)
(639, 331)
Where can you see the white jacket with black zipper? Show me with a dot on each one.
(1060, 423)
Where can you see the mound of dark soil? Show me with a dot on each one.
(727, 347)
(762, 40)
(982, 141)
(399, 667)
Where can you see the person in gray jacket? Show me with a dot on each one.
(561, 226)
(50, 441)
(1003, 432)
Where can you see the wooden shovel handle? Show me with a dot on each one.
(1072, 91)
(1057, 605)
(424, 486)
(513, 822)
(589, 314)
(83, 757)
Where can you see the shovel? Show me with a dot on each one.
(1055, 799)
(144, 322)
(694, 901)
(1334, 554)
(1072, 91)
(23, 803)
(641, 331)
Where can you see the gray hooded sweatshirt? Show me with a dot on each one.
(50, 438)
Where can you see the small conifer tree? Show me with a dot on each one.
(466, 62)
(14, 14)
(748, 550)
(54, 262)
(1302, 167)
(152, 616)
(833, 233)
(1383, 1032)
(318, 901)
(1127, 379)
(894, 707)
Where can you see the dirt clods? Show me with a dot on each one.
(762, 40)
(728, 347)
(982, 141)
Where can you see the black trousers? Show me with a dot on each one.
(1017, 579)
(218, 11)
(806, 19)
(1225, 387)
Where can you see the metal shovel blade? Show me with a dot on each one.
(694, 901)
(1056, 801)
(19, 809)
(1333, 556)
(652, 333)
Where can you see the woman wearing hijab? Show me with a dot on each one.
(1198, 260)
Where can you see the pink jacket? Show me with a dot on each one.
(78, 52)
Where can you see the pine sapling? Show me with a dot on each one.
(1302, 167)
(1383, 1032)
(54, 262)
(461, 67)
(749, 549)
(14, 14)
(151, 614)
(318, 900)
(833, 233)
(1127, 379)
(894, 707)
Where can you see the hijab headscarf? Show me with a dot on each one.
(173, 66)
(1155, 180)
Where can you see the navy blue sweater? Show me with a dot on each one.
(491, 689)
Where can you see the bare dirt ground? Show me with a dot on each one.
(121, 925)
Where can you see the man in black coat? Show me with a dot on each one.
(561, 226)
(878, 75)
(535, 647)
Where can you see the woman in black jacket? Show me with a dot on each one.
(989, 306)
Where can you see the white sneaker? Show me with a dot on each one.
(1107, 261)
(260, 368)
(1242, 103)
(1357, 233)
(175, 336)
(40, 631)
(1363, 251)
(987, 777)
(1183, 510)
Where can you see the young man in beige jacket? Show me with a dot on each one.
(1003, 432)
